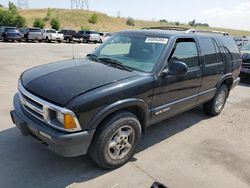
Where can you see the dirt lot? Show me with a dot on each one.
(189, 150)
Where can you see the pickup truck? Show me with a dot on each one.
(102, 104)
(52, 35)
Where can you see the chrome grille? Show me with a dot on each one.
(43, 110)
(31, 106)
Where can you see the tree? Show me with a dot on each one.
(55, 23)
(130, 21)
(1, 5)
(12, 8)
(20, 21)
(93, 19)
(192, 23)
(39, 22)
(48, 15)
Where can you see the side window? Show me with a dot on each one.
(210, 51)
(185, 50)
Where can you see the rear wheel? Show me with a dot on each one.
(85, 40)
(115, 140)
(216, 105)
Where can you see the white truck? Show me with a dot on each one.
(52, 35)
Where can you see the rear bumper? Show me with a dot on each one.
(64, 144)
(13, 37)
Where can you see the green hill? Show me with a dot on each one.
(79, 18)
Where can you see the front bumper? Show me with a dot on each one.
(65, 144)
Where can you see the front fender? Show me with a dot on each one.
(119, 105)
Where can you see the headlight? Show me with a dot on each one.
(66, 120)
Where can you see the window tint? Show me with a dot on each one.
(210, 50)
(186, 51)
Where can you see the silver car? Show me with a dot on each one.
(31, 34)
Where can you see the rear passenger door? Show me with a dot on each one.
(213, 66)
(177, 93)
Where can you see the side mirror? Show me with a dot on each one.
(176, 68)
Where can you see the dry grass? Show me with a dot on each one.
(77, 18)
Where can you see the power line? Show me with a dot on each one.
(79, 4)
(22, 4)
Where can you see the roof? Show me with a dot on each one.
(168, 32)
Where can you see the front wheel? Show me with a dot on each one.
(216, 105)
(115, 140)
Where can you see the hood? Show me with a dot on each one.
(60, 82)
(245, 57)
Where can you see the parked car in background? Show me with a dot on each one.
(103, 103)
(52, 35)
(240, 41)
(31, 34)
(245, 55)
(10, 34)
(90, 36)
(104, 36)
(71, 35)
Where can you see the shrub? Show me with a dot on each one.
(93, 19)
(85, 28)
(130, 21)
(39, 22)
(55, 23)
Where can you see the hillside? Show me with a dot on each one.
(77, 18)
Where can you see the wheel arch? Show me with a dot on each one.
(227, 80)
(136, 106)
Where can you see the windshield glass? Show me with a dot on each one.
(51, 31)
(137, 52)
(11, 30)
(246, 47)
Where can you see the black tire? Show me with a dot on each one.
(100, 149)
(211, 107)
(68, 40)
(59, 41)
(100, 41)
(47, 40)
(85, 41)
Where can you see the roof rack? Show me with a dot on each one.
(187, 30)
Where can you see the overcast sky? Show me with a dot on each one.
(218, 13)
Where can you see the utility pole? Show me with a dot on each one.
(79, 4)
(22, 4)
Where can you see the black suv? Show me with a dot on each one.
(103, 103)
(10, 34)
(71, 35)
(245, 70)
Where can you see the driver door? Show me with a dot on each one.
(176, 93)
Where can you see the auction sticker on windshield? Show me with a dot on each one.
(156, 40)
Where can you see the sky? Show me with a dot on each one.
(218, 13)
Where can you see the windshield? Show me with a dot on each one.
(51, 31)
(137, 52)
(11, 30)
(246, 47)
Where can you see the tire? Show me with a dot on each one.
(59, 41)
(216, 105)
(100, 41)
(68, 40)
(85, 40)
(47, 40)
(115, 140)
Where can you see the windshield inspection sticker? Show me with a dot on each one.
(156, 40)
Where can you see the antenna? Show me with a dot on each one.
(22, 4)
(79, 4)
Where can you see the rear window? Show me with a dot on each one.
(210, 51)
(35, 30)
(50, 31)
(93, 32)
(12, 30)
(231, 47)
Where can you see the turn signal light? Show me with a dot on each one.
(69, 122)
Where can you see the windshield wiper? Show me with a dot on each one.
(115, 63)
(94, 57)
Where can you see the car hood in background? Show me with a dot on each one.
(60, 82)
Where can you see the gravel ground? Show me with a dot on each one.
(189, 150)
